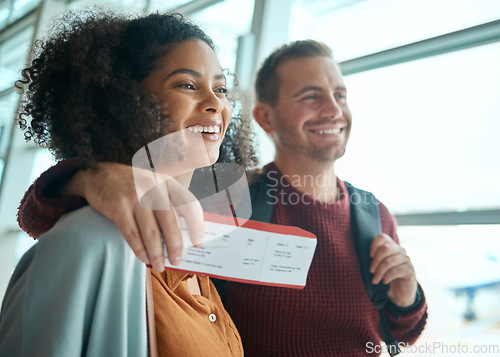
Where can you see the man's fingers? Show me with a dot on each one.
(187, 205)
(402, 271)
(391, 264)
(169, 225)
(386, 265)
(151, 237)
(379, 241)
(126, 224)
(113, 191)
(382, 252)
(193, 215)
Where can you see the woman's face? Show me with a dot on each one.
(191, 86)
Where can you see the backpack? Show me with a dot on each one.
(365, 223)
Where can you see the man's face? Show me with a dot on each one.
(311, 117)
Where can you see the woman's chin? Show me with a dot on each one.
(213, 157)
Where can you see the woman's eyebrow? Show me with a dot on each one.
(193, 73)
(185, 70)
(221, 76)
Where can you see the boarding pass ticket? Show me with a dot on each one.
(249, 252)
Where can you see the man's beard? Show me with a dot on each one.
(306, 148)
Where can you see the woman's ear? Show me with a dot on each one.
(263, 115)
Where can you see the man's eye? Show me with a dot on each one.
(311, 97)
(341, 96)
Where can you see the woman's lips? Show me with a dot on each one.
(205, 128)
(209, 131)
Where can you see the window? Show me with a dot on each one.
(355, 28)
(8, 104)
(12, 10)
(459, 269)
(224, 23)
(13, 49)
(424, 134)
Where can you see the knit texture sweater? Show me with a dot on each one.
(332, 315)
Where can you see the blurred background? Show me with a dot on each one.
(424, 87)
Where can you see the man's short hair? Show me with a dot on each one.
(267, 84)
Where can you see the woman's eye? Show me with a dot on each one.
(222, 90)
(187, 86)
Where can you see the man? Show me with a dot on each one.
(302, 106)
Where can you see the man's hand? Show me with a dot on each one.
(391, 264)
(110, 190)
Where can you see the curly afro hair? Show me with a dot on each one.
(83, 95)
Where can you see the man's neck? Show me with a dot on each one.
(313, 177)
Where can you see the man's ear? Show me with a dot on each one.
(262, 113)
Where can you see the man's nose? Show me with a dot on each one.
(331, 108)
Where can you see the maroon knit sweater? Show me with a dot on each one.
(40, 207)
(331, 316)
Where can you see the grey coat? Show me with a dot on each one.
(80, 291)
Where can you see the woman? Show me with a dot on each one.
(103, 87)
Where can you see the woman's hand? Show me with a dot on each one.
(111, 190)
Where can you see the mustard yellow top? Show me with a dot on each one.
(191, 325)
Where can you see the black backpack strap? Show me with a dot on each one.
(262, 197)
(221, 286)
(365, 223)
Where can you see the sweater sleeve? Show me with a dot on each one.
(41, 207)
(406, 325)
